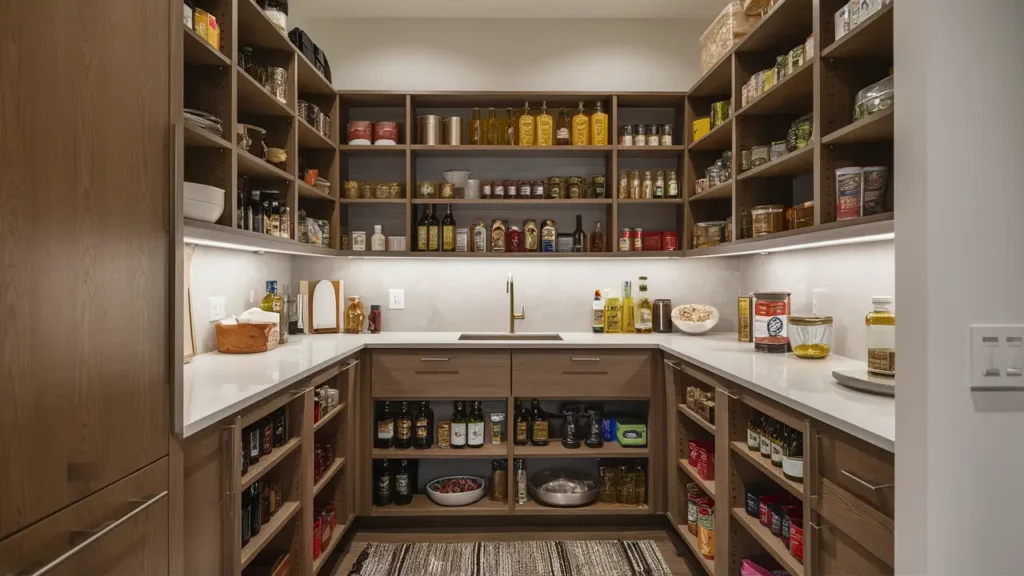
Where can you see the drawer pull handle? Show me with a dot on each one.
(96, 536)
(436, 372)
(585, 359)
(674, 365)
(864, 483)
(584, 373)
(349, 365)
(818, 528)
(726, 392)
(429, 359)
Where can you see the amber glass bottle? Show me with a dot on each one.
(580, 127)
(509, 137)
(545, 127)
(527, 128)
(598, 126)
(476, 128)
(563, 133)
(491, 127)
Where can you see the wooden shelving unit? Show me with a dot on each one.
(597, 508)
(487, 451)
(685, 410)
(266, 463)
(770, 542)
(422, 505)
(765, 467)
(267, 532)
(556, 450)
(328, 475)
(705, 485)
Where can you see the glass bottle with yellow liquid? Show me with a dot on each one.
(563, 132)
(628, 320)
(644, 311)
(527, 128)
(580, 127)
(612, 313)
(274, 302)
(354, 316)
(545, 126)
(509, 137)
(476, 129)
(598, 126)
(881, 337)
(491, 128)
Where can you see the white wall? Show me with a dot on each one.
(959, 466)
(231, 274)
(508, 54)
(469, 295)
(846, 276)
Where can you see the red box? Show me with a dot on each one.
(796, 539)
(695, 447)
(765, 513)
(317, 548)
(706, 465)
(652, 241)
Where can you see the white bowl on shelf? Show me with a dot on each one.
(460, 499)
(202, 211)
(204, 193)
(695, 327)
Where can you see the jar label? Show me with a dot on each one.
(476, 433)
(422, 429)
(402, 484)
(770, 322)
(753, 440)
(404, 429)
(385, 430)
(458, 434)
(776, 453)
(882, 361)
(793, 467)
(384, 487)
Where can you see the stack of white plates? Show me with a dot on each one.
(204, 120)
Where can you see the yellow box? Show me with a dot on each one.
(206, 27)
(701, 127)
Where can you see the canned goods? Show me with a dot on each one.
(638, 240)
(669, 241)
(625, 240)
(771, 310)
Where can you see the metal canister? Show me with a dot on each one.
(277, 83)
(625, 240)
(638, 240)
(662, 316)
(429, 130)
(453, 131)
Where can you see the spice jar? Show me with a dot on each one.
(499, 191)
(526, 189)
(626, 135)
(634, 185)
(623, 184)
(599, 186)
(648, 186)
(515, 242)
(538, 190)
(653, 135)
(555, 185)
(666, 135)
(672, 185)
(487, 190)
(351, 188)
(574, 187)
(767, 219)
(531, 235)
(625, 240)
(639, 135)
(659, 184)
(511, 188)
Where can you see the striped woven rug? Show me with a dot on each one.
(540, 558)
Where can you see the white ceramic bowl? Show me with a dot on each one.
(695, 327)
(202, 211)
(461, 499)
(204, 193)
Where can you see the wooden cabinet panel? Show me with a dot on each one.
(596, 374)
(847, 513)
(441, 374)
(859, 469)
(837, 554)
(127, 521)
(86, 259)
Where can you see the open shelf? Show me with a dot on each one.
(255, 29)
(772, 544)
(872, 38)
(650, 200)
(325, 554)
(268, 531)
(215, 234)
(685, 411)
(532, 507)
(792, 164)
(556, 450)
(487, 451)
(370, 150)
(878, 127)
(312, 192)
(254, 99)
(719, 138)
(791, 96)
(691, 542)
(717, 81)
(310, 138)
(310, 80)
(329, 416)
(249, 165)
(707, 486)
(196, 137)
(511, 201)
(421, 505)
(199, 52)
(762, 464)
(878, 226)
(788, 24)
(512, 151)
(720, 192)
(267, 463)
(328, 475)
(650, 151)
(401, 201)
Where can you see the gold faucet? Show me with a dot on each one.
(510, 288)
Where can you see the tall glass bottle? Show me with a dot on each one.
(881, 337)
(385, 428)
(539, 426)
(644, 310)
(598, 126)
(597, 314)
(433, 231)
(793, 457)
(612, 313)
(509, 138)
(476, 128)
(628, 320)
(403, 427)
(580, 127)
(579, 237)
(383, 495)
(448, 231)
(522, 425)
(459, 425)
(491, 128)
(545, 126)
(273, 302)
(475, 426)
(403, 484)
(597, 238)
(423, 427)
(563, 131)
(527, 128)
(421, 231)
(254, 213)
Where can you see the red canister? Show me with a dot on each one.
(669, 241)
(360, 132)
(796, 539)
(638, 239)
(706, 464)
(385, 133)
(652, 241)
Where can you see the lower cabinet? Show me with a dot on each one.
(120, 530)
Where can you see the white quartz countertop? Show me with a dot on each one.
(218, 385)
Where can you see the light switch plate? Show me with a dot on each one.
(217, 308)
(396, 299)
(997, 357)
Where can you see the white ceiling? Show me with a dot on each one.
(701, 9)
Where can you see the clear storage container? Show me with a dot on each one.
(874, 98)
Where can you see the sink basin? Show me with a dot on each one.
(510, 337)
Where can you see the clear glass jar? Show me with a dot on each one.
(659, 184)
(810, 336)
(672, 186)
(648, 186)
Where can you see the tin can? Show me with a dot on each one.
(771, 311)
(669, 241)
(796, 539)
(638, 240)
(462, 240)
(744, 307)
(693, 495)
(625, 240)
(706, 528)
(511, 188)
(444, 434)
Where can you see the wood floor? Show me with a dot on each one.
(666, 540)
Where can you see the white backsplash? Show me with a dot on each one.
(847, 277)
(469, 295)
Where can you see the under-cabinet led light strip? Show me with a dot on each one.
(808, 245)
(245, 248)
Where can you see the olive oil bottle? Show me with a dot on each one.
(598, 126)
(881, 337)
(448, 231)
(612, 313)
(476, 129)
(580, 127)
(421, 233)
(644, 311)
(563, 133)
(491, 127)
(628, 322)
(527, 128)
(509, 138)
(433, 232)
(545, 126)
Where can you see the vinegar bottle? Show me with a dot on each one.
(476, 129)
(580, 127)
(491, 128)
(628, 322)
(545, 126)
(598, 126)
(527, 128)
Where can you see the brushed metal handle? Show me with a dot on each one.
(819, 528)
(95, 536)
(726, 392)
(349, 365)
(430, 359)
(865, 483)
(674, 365)
(585, 359)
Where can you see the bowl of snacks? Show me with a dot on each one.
(456, 490)
(695, 318)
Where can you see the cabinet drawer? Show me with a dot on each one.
(859, 469)
(596, 374)
(838, 554)
(118, 531)
(441, 374)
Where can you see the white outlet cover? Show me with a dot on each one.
(217, 308)
(997, 357)
(396, 299)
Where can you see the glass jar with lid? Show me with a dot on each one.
(810, 336)
(555, 188)
(654, 135)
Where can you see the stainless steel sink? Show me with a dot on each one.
(510, 337)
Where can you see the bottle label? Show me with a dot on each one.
(766, 447)
(645, 319)
(580, 131)
(458, 434)
(432, 239)
(882, 361)
(448, 242)
(522, 433)
(385, 430)
(404, 431)
(776, 453)
(613, 323)
(599, 134)
(384, 487)
(540, 431)
(598, 318)
(421, 429)
(793, 467)
(402, 484)
(753, 440)
(526, 131)
(421, 238)
(544, 127)
(476, 433)
(562, 134)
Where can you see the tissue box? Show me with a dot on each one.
(247, 338)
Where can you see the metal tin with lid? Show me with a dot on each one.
(771, 319)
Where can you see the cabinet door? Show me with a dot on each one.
(118, 531)
(86, 253)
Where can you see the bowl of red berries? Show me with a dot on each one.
(456, 490)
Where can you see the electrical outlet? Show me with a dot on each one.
(997, 356)
(252, 296)
(217, 308)
(396, 299)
